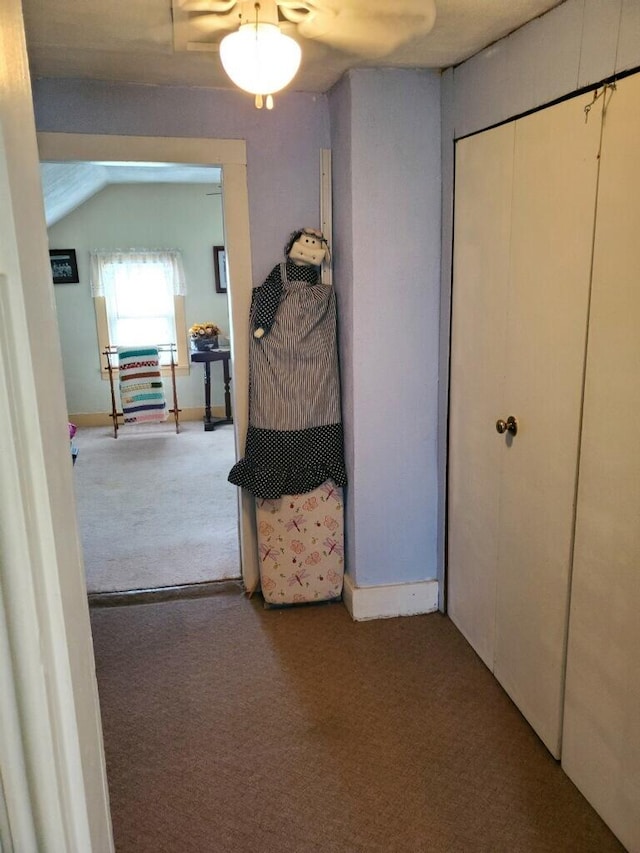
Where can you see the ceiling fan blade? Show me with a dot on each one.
(371, 28)
(370, 35)
(216, 6)
(295, 10)
(206, 24)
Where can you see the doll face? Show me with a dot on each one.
(308, 250)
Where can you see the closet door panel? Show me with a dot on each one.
(482, 229)
(601, 747)
(554, 188)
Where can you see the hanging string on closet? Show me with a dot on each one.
(598, 93)
(607, 89)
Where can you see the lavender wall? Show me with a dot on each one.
(283, 145)
(391, 194)
(385, 134)
(575, 45)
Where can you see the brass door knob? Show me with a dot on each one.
(510, 425)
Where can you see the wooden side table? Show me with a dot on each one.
(223, 355)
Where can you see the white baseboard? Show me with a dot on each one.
(384, 602)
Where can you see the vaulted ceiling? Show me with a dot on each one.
(65, 186)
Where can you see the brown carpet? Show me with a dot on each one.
(229, 728)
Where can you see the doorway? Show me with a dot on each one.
(155, 510)
(230, 156)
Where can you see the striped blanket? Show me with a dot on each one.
(141, 390)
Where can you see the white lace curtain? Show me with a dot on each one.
(124, 263)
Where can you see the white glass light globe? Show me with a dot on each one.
(259, 58)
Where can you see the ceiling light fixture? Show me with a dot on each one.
(259, 58)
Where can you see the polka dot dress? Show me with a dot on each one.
(295, 439)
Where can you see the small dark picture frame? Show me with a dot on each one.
(64, 267)
(220, 268)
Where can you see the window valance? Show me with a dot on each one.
(125, 264)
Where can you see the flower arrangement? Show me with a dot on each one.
(204, 331)
(204, 336)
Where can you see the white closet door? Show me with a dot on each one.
(554, 190)
(525, 198)
(601, 748)
(484, 165)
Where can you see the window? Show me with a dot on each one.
(139, 299)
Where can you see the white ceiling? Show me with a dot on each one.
(136, 40)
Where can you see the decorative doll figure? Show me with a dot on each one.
(294, 453)
(294, 440)
(306, 247)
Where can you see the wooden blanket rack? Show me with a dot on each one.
(112, 351)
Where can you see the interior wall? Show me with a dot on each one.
(394, 173)
(283, 144)
(176, 216)
(392, 190)
(573, 46)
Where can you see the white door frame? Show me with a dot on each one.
(53, 779)
(230, 155)
(53, 785)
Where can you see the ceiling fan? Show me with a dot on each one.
(372, 28)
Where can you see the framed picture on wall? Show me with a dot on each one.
(220, 268)
(64, 267)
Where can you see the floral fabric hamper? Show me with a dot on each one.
(301, 546)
